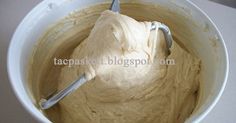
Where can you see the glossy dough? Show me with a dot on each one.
(143, 93)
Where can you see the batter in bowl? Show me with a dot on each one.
(145, 93)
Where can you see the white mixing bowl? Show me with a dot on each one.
(210, 48)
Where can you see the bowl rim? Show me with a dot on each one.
(42, 118)
(212, 103)
(10, 69)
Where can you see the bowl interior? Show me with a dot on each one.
(189, 25)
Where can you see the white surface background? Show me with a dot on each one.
(13, 11)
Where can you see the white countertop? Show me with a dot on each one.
(12, 12)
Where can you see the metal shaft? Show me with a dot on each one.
(45, 104)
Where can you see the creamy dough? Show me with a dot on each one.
(150, 93)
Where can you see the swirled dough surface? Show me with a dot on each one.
(146, 93)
